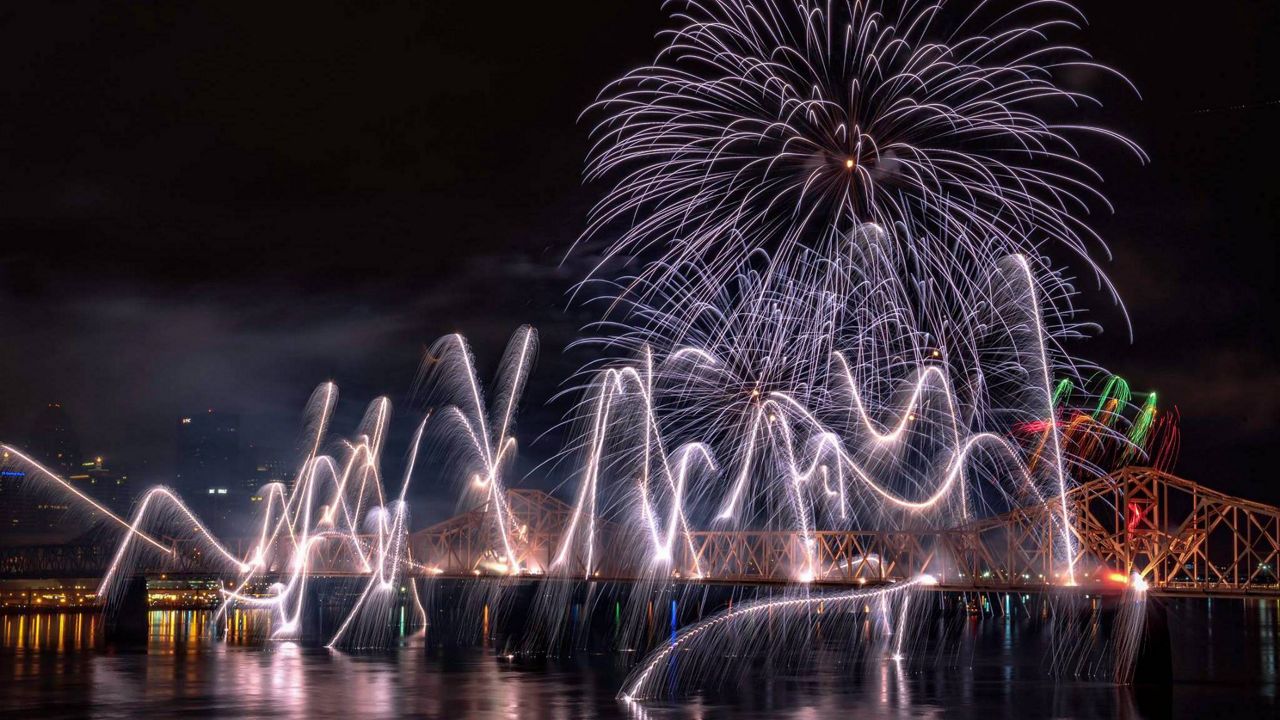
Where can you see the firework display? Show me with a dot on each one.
(840, 219)
(841, 307)
(337, 503)
(890, 154)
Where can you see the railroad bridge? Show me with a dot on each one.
(1181, 538)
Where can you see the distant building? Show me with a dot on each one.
(209, 473)
(53, 442)
(108, 486)
(35, 511)
(15, 507)
(31, 512)
(263, 466)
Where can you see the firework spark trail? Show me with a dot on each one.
(141, 515)
(756, 342)
(295, 524)
(18, 457)
(640, 683)
(384, 558)
(341, 501)
(784, 126)
(391, 539)
(793, 179)
(449, 373)
(614, 387)
(288, 541)
(1128, 629)
(621, 441)
(800, 186)
(334, 504)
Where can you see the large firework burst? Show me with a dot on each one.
(782, 127)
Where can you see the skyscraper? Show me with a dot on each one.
(30, 511)
(24, 511)
(108, 486)
(264, 465)
(53, 442)
(209, 474)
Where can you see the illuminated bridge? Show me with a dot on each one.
(1180, 537)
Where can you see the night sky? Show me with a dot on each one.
(223, 204)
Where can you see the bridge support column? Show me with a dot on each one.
(311, 623)
(1154, 663)
(126, 619)
(220, 626)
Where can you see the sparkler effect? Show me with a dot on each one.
(727, 627)
(335, 504)
(732, 628)
(488, 446)
(817, 184)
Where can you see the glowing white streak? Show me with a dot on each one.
(586, 494)
(902, 628)
(908, 410)
(141, 515)
(632, 690)
(613, 386)
(731, 507)
(1050, 417)
(477, 431)
(10, 450)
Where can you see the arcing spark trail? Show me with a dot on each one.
(790, 470)
(336, 508)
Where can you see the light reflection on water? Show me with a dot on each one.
(56, 665)
(57, 631)
(168, 631)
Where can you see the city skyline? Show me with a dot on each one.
(219, 473)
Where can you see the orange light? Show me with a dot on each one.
(1118, 577)
(848, 164)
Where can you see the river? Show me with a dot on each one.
(55, 665)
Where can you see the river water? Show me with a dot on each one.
(54, 665)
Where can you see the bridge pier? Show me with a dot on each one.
(126, 621)
(1154, 663)
(326, 602)
(311, 625)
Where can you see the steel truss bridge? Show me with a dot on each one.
(1180, 537)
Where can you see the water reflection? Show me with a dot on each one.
(50, 631)
(1268, 648)
(57, 665)
(194, 630)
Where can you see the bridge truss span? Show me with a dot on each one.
(1178, 536)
